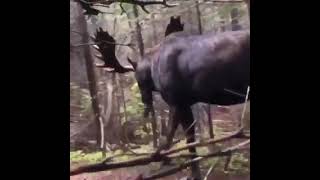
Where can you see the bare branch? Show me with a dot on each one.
(144, 3)
(235, 93)
(92, 44)
(237, 134)
(86, 44)
(83, 44)
(222, 1)
(108, 42)
(122, 9)
(173, 170)
(213, 166)
(245, 106)
(140, 3)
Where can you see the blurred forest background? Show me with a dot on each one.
(116, 97)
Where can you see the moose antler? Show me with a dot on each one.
(106, 47)
(87, 6)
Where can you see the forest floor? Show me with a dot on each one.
(239, 167)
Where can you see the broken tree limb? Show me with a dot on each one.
(155, 157)
(180, 167)
(212, 167)
(237, 134)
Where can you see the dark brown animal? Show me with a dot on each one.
(192, 69)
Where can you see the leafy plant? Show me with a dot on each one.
(135, 106)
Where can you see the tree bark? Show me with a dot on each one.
(235, 26)
(154, 31)
(91, 80)
(199, 17)
(190, 19)
(210, 122)
(141, 50)
(114, 124)
(138, 31)
(248, 6)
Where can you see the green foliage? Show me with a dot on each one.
(79, 156)
(95, 157)
(140, 132)
(239, 162)
(208, 162)
(225, 10)
(82, 96)
(135, 106)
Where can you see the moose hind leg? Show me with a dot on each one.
(189, 127)
(174, 121)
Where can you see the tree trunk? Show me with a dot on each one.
(109, 106)
(248, 6)
(91, 80)
(190, 19)
(235, 26)
(199, 17)
(114, 125)
(154, 31)
(163, 123)
(141, 50)
(138, 31)
(210, 122)
(223, 26)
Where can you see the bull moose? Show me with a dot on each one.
(195, 68)
(188, 69)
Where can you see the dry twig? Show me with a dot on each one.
(173, 170)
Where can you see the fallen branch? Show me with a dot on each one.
(154, 157)
(213, 166)
(173, 170)
(244, 108)
(237, 134)
(104, 167)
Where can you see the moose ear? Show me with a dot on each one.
(134, 64)
(178, 18)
